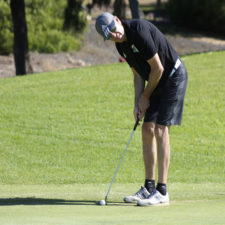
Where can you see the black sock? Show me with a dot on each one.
(161, 188)
(150, 185)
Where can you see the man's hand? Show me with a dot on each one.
(136, 113)
(143, 105)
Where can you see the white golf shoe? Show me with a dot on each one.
(156, 198)
(140, 195)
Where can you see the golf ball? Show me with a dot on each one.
(102, 202)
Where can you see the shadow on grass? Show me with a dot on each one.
(42, 201)
(46, 201)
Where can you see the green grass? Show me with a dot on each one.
(64, 204)
(62, 135)
(72, 126)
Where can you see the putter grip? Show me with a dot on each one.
(135, 126)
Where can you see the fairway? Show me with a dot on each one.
(63, 133)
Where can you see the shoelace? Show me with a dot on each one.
(140, 192)
(152, 194)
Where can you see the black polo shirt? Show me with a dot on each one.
(144, 40)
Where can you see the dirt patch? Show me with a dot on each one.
(213, 41)
(96, 51)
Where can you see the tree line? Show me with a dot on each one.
(74, 21)
(208, 15)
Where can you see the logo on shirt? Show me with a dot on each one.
(134, 49)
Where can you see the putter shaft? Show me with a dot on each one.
(117, 169)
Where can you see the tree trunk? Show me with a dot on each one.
(158, 4)
(21, 52)
(120, 9)
(134, 7)
(72, 19)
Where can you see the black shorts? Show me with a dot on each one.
(166, 102)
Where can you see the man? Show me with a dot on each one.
(160, 81)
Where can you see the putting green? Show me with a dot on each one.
(206, 212)
(76, 204)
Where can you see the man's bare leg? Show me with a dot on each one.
(163, 150)
(149, 151)
(149, 155)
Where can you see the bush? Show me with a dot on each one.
(75, 18)
(207, 15)
(6, 29)
(45, 27)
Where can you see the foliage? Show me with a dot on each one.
(208, 15)
(45, 22)
(75, 18)
(119, 9)
(6, 29)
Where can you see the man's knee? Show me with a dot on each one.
(148, 130)
(161, 131)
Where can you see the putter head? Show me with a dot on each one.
(106, 200)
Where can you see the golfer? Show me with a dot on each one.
(160, 81)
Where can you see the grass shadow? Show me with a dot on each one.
(43, 201)
(121, 204)
(46, 201)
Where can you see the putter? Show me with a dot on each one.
(135, 126)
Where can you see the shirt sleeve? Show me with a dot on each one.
(145, 43)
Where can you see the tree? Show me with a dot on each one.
(20, 47)
(208, 15)
(134, 6)
(99, 3)
(120, 9)
(158, 4)
(74, 18)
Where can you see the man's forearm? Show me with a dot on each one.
(139, 85)
(154, 78)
